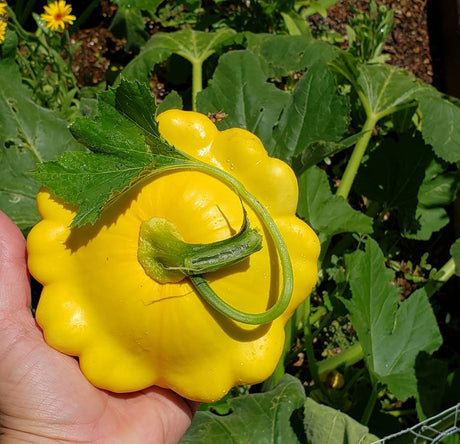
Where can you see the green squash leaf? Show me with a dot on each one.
(317, 112)
(417, 194)
(282, 55)
(392, 334)
(296, 24)
(382, 89)
(262, 418)
(129, 23)
(325, 425)
(281, 415)
(385, 90)
(194, 46)
(440, 123)
(455, 252)
(317, 151)
(29, 135)
(172, 101)
(431, 385)
(327, 213)
(239, 89)
(126, 146)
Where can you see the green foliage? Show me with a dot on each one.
(391, 336)
(327, 213)
(316, 113)
(418, 195)
(440, 122)
(125, 144)
(29, 135)
(282, 55)
(455, 252)
(239, 89)
(130, 23)
(44, 61)
(283, 414)
(328, 426)
(368, 32)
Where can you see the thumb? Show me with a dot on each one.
(14, 278)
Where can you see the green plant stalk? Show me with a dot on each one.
(369, 406)
(197, 80)
(324, 321)
(357, 155)
(18, 27)
(318, 314)
(312, 364)
(348, 357)
(444, 274)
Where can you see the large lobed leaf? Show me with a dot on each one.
(327, 213)
(125, 147)
(239, 88)
(405, 177)
(270, 417)
(440, 123)
(301, 123)
(190, 44)
(29, 135)
(325, 425)
(282, 55)
(316, 112)
(384, 90)
(392, 334)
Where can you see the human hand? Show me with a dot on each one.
(44, 398)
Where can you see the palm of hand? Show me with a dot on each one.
(43, 395)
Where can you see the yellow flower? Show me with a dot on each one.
(3, 6)
(57, 14)
(2, 31)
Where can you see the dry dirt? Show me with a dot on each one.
(408, 45)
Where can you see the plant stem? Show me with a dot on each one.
(318, 314)
(356, 157)
(348, 357)
(369, 407)
(444, 274)
(312, 364)
(197, 80)
(201, 284)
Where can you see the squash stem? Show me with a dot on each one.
(197, 80)
(200, 283)
(356, 157)
(348, 357)
(287, 274)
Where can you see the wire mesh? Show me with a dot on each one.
(432, 430)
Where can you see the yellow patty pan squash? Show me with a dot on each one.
(130, 331)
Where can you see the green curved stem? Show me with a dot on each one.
(200, 283)
(356, 157)
(221, 306)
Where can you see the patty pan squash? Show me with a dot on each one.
(130, 331)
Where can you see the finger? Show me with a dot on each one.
(14, 278)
